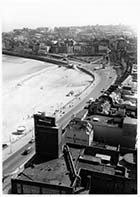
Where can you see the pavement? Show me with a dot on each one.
(13, 160)
(73, 107)
(15, 146)
(22, 140)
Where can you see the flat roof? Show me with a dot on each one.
(129, 120)
(52, 172)
(103, 120)
(105, 169)
(55, 172)
(134, 96)
(103, 156)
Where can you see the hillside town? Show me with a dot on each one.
(84, 41)
(94, 142)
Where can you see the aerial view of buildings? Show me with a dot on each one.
(69, 105)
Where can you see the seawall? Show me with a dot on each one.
(86, 71)
(36, 57)
(46, 59)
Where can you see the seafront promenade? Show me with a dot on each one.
(34, 86)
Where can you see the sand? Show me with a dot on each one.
(30, 86)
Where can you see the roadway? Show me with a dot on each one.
(107, 77)
(14, 165)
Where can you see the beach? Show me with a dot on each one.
(31, 86)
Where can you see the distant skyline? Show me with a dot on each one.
(51, 13)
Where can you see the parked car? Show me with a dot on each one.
(32, 141)
(27, 151)
(4, 146)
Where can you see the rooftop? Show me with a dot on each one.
(128, 120)
(96, 166)
(102, 163)
(49, 172)
(105, 120)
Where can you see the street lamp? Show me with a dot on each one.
(10, 140)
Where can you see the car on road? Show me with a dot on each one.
(86, 106)
(31, 141)
(95, 119)
(27, 151)
(91, 100)
(4, 146)
(102, 91)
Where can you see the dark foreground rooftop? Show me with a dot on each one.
(50, 172)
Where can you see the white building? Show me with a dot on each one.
(79, 132)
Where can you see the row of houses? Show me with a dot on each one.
(69, 46)
(118, 46)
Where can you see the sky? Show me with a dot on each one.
(50, 13)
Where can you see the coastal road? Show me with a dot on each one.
(107, 77)
(14, 164)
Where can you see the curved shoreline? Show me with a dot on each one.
(35, 57)
(44, 59)
(87, 72)
(79, 104)
(30, 76)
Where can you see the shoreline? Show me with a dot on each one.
(18, 145)
(35, 57)
(39, 73)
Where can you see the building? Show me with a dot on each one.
(84, 48)
(102, 49)
(121, 44)
(57, 168)
(114, 130)
(41, 176)
(107, 172)
(79, 132)
(77, 49)
(46, 171)
(70, 46)
(48, 137)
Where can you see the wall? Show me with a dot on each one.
(108, 135)
(36, 57)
